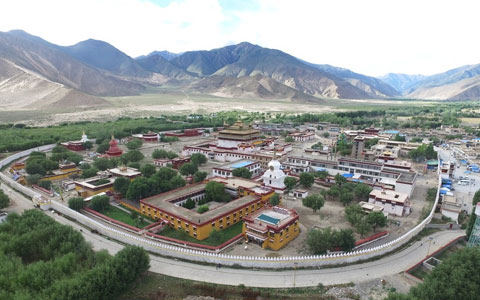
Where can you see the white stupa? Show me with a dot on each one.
(274, 176)
(84, 137)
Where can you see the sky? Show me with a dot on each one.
(372, 37)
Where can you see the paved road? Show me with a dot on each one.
(386, 266)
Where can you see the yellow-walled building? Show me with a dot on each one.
(64, 171)
(272, 228)
(248, 195)
(90, 187)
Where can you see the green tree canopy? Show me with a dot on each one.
(4, 200)
(242, 172)
(215, 191)
(198, 159)
(100, 203)
(148, 170)
(76, 203)
(134, 144)
(377, 219)
(199, 176)
(290, 183)
(274, 200)
(188, 169)
(121, 185)
(314, 201)
(307, 180)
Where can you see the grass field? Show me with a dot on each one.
(155, 286)
(119, 215)
(228, 233)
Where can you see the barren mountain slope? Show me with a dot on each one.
(23, 89)
(41, 57)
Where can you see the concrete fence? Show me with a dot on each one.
(219, 258)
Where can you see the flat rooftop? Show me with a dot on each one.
(89, 182)
(235, 182)
(389, 195)
(191, 215)
(236, 165)
(125, 171)
(276, 217)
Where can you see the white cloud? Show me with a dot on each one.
(370, 36)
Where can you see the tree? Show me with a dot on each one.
(189, 204)
(35, 168)
(430, 152)
(198, 159)
(215, 191)
(199, 176)
(274, 200)
(4, 200)
(362, 191)
(399, 138)
(362, 226)
(90, 172)
(353, 213)
(134, 165)
(165, 173)
(138, 189)
(333, 192)
(159, 153)
(134, 156)
(290, 183)
(202, 208)
(100, 203)
(377, 219)
(134, 144)
(339, 180)
(315, 202)
(34, 179)
(134, 215)
(242, 172)
(102, 163)
(103, 147)
(46, 184)
(307, 180)
(76, 203)
(87, 145)
(177, 181)
(148, 170)
(343, 239)
(289, 139)
(457, 277)
(326, 134)
(216, 236)
(188, 169)
(346, 197)
(121, 185)
(321, 174)
(319, 240)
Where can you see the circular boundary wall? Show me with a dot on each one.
(220, 258)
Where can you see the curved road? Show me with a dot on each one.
(389, 265)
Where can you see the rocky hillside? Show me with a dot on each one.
(461, 83)
(46, 60)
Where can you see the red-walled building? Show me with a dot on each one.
(114, 150)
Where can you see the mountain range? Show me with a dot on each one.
(35, 73)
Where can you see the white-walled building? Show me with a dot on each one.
(394, 203)
(274, 176)
(227, 169)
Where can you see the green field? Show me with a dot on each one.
(119, 215)
(228, 233)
